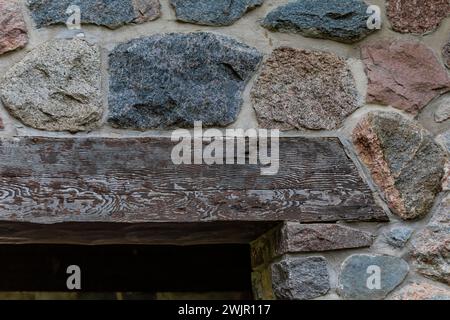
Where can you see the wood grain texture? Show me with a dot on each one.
(185, 234)
(133, 180)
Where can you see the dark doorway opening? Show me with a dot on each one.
(161, 270)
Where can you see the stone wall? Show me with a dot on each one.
(310, 68)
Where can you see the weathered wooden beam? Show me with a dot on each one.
(95, 233)
(133, 180)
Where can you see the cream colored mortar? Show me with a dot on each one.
(249, 31)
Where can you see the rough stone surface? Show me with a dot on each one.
(213, 13)
(446, 54)
(446, 179)
(108, 13)
(354, 278)
(302, 89)
(340, 20)
(13, 31)
(300, 278)
(431, 248)
(421, 291)
(176, 79)
(417, 17)
(444, 139)
(442, 112)
(405, 162)
(398, 237)
(406, 75)
(56, 87)
(294, 237)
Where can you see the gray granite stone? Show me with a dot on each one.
(108, 13)
(398, 237)
(355, 280)
(340, 20)
(213, 12)
(300, 278)
(175, 79)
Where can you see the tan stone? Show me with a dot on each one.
(302, 89)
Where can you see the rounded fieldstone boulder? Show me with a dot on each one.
(212, 12)
(109, 13)
(405, 161)
(339, 20)
(303, 89)
(56, 87)
(174, 79)
(371, 277)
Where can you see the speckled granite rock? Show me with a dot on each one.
(300, 278)
(406, 75)
(340, 20)
(357, 269)
(418, 17)
(56, 87)
(421, 291)
(213, 13)
(431, 248)
(398, 237)
(405, 161)
(302, 89)
(175, 79)
(108, 13)
(13, 31)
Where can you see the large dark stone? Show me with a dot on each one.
(109, 13)
(340, 20)
(300, 278)
(213, 12)
(176, 79)
(405, 161)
